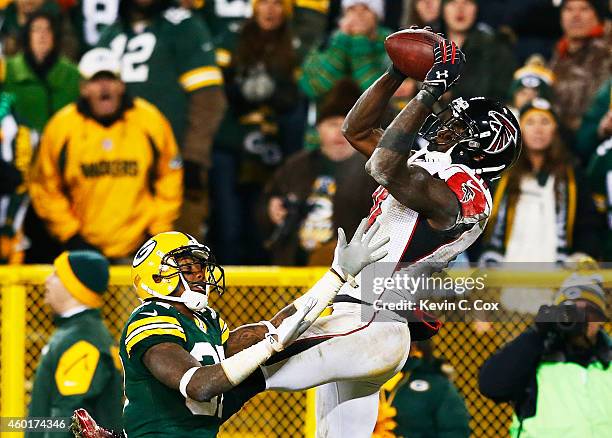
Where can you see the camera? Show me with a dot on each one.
(296, 211)
(566, 319)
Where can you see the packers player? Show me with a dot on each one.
(185, 372)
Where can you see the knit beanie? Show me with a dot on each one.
(287, 7)
(582, 287)
(376, 6)
(534, 74)
(538, 105)
(600, 6)
(339, 100)
(84, 274)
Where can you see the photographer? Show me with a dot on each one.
(557, 373)
(317, 191)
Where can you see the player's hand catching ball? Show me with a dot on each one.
(449, 61)
(351, 258)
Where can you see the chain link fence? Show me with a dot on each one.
(253, 295)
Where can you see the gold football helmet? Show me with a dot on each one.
(156, 271)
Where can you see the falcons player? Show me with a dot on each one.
(432, 204)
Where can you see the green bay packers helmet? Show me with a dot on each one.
(156, 271)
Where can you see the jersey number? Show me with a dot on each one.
(379, 195)
(199, 351)
(96, 15)
(134, 54)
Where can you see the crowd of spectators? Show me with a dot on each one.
(222, 119)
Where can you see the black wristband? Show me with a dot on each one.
(395, 73)
(428, 97)
(398, 141)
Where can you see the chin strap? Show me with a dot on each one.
(193, 300)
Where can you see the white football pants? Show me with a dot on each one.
(349, 359)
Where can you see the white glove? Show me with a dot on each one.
(291, 328)
(350, 259)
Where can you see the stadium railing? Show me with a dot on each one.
(252, 294)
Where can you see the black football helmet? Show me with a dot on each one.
(485, 134)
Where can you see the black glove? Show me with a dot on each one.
(447, 68)
(192, 176)
(77, 242)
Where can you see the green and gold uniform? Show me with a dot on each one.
(599, 173)
(152, 408)
(165, 60)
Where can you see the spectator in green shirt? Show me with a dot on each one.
(356, 50)
(42, 80)
(79, 364)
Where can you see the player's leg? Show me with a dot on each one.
(347, 409)
(340, 347)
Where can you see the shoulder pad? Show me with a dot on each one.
(177, 15)
(471, 191)
(152, 319)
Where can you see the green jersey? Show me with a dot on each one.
(89, 19)
(599, 173)
(164, 60)
(151, 408)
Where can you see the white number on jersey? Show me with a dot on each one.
(134, 54)
(233, 8)
(96, 15)
(177, 15)
(209, 408)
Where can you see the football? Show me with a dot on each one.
(412, 51)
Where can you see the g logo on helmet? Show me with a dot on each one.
(505, 133)
(144, 252)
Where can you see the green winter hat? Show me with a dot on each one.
(534, 74)
(84, 274)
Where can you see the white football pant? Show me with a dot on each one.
(349, 359)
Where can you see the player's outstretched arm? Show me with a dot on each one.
(362, 124)
(176, 368)
(413, 186)
(349, 260)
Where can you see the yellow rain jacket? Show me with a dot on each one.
(111, 184)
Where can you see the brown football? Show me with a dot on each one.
(411, 50)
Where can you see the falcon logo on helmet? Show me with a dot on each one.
(505, 133)
(479, 133)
